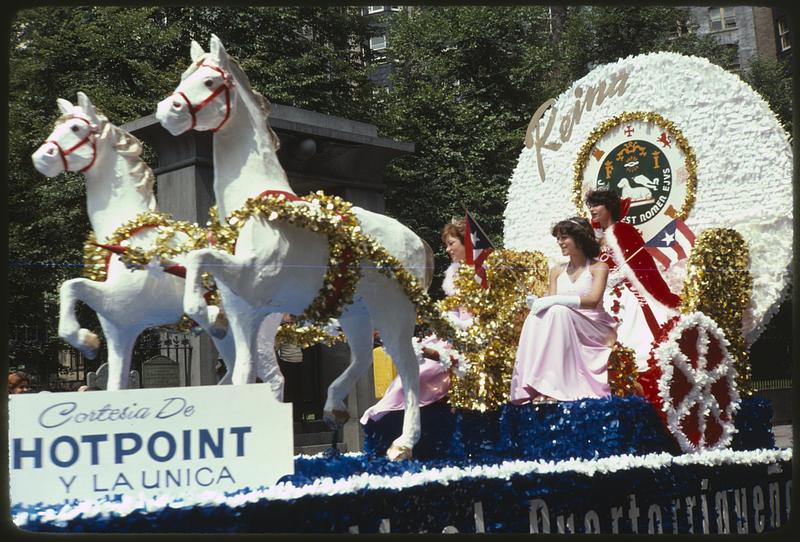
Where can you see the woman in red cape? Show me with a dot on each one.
(636, 294)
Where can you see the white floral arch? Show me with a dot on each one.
(743, 163)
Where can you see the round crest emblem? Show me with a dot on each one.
(645, 158)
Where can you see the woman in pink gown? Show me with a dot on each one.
(434, 373)
(567, 337)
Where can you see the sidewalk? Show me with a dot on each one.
(783, 436)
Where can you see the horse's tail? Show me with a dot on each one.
(428, 265)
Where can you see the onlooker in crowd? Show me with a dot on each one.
(86, 387)
(290, 362)
(19, 382)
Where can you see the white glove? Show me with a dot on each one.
(543, 303)
(529, 299)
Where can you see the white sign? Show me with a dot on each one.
(151, 442)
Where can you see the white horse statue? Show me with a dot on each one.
(119, 188)
(278, 267)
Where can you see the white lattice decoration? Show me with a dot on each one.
(712, 398)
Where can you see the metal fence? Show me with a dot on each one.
(54, 365)
(772, 384)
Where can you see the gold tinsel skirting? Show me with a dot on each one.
(718, 284)
(622, 373)
(499, 311)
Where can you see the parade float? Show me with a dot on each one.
(680, 446)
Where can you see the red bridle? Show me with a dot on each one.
(88, 139)
(225, 86)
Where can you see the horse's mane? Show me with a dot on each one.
(129, 147)
(259, 101)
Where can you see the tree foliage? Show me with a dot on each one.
(772, 79)
(467, 81)
(126, 59)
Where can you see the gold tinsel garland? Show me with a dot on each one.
(718, 284)
(690, 160)
(94, 259)
(329, 215)
(348, 246)
(305, 336)
(165, 247)
(499, 312)
(622, 373)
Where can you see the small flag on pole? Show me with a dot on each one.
(671, 244)
(477, 247)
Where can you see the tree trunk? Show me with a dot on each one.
(558, 19)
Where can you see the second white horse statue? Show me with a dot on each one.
(278, 267)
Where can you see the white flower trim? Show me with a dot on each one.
(669, 357)
(744, 166)
(449, 284)
(449, 357)
(443, 476)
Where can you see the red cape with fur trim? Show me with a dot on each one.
(638, 265)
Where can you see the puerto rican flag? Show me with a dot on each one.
(671, 244)
(477, 247)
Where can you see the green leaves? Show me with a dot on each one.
(773, 80)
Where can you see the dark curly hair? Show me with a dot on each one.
(607, 197)
(581, 232)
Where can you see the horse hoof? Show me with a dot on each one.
(335, 419)
(398, 453)
(90, 343)
(218, 332)
(219, 322)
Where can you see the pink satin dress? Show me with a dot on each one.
(434, 377)
(563, 352)
(434, 383)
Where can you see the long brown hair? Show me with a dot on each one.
(580, 230)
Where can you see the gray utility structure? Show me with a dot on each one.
(319, 152)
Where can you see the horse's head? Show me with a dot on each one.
(204, 99)
(71, 146)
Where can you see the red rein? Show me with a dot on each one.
(88, 139)
(224, 87)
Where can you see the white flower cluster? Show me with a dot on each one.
(364, 482)
(744, 166)
(449, 357)
(701, 379)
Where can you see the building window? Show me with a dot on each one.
(374, 9)
(783, 34)
(734, 64)
(377, 43)
(395, 8)
(722, 18)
